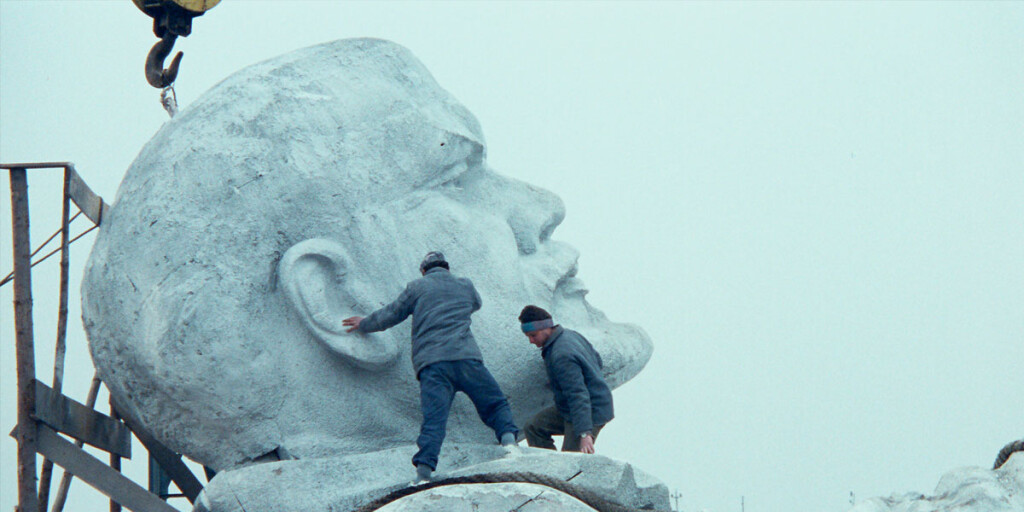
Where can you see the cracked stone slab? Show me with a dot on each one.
(512, 497)
(347, 483)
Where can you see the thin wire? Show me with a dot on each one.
(59, 231)
(10, 277)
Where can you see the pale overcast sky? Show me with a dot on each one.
(816, 210)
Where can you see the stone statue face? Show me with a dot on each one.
(296, 193)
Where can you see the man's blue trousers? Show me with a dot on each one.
(438, 384)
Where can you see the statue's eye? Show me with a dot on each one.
(461, 175)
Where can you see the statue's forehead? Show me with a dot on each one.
(368, 81)
(363, 112)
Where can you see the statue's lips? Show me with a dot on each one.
(571, 286)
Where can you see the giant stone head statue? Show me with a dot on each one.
(295, 193)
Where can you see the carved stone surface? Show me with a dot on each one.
(473, 498)
(963, 490)
(366, 477)
(293, 194)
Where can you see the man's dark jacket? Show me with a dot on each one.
(440, 305)
(574, 369)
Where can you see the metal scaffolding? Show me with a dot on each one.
(44, 412)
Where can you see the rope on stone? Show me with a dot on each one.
(1009, 449)
(169, 100)
(588, 497)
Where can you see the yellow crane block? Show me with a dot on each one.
(196, 6)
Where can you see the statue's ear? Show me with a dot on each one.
(314, 277)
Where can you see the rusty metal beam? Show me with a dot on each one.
(169, 461)
(83, 423)
(97, 474)
(65, 480)
(87, 201)
(91, 204)
(115, 461)
(36, 165)
(28, 500)
(60, 347)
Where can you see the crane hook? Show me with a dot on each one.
(156, 75)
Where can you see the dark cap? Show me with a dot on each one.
(534, 318)
(432, 259)
(533, 313)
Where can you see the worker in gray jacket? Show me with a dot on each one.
(583, 400)
(445, 356)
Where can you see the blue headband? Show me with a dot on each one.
(538, 325)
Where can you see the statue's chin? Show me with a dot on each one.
(624, 348)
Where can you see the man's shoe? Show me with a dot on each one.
(423, 473)
(508, 439)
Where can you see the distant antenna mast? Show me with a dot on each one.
(676, 495)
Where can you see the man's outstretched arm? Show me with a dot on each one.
(385, 317)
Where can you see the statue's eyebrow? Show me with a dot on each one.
(458, 168)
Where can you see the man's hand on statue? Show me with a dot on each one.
(587, 444)
(352, 323)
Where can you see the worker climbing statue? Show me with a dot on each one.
(299, 192)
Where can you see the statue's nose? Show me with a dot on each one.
(534, 216)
